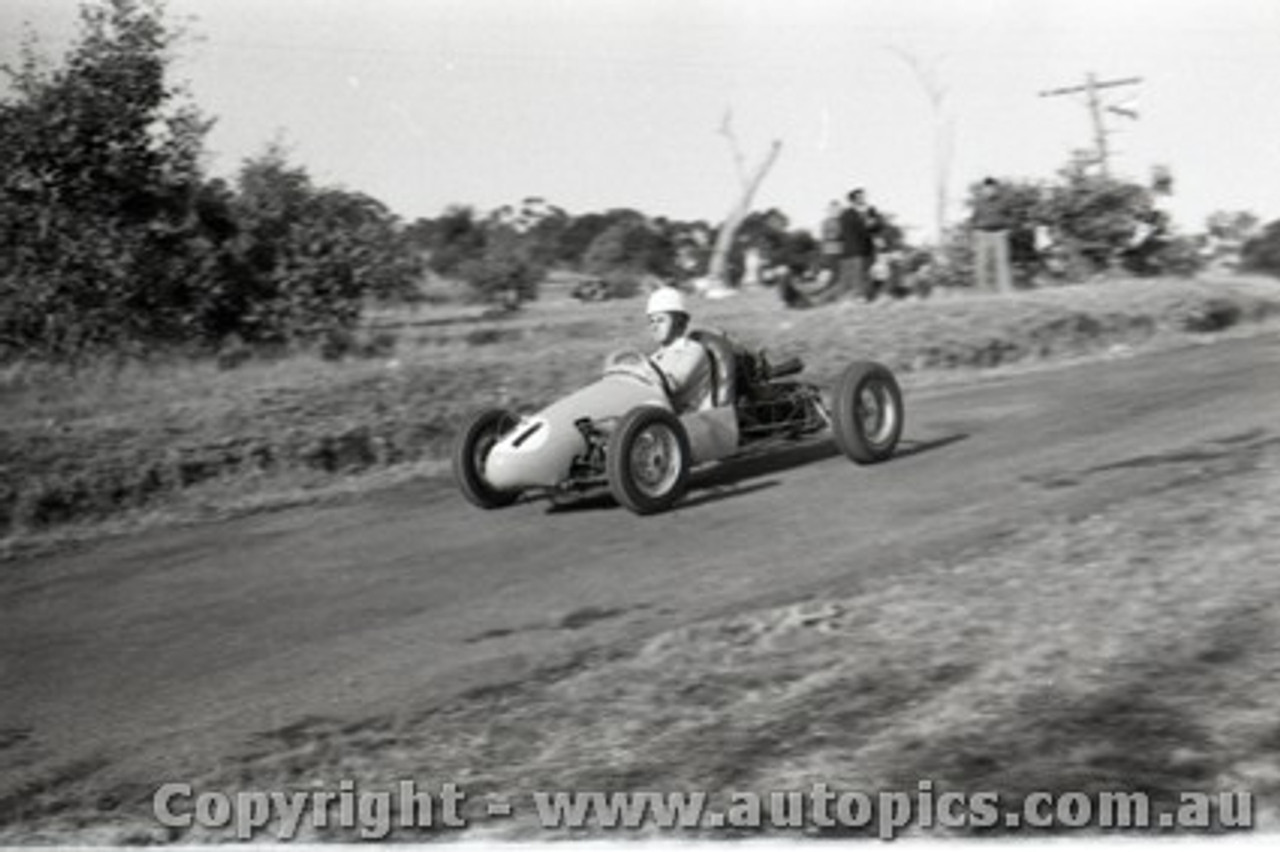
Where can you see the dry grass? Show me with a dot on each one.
(112, 441)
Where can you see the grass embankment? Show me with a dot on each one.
(183, 439)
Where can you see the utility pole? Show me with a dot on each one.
(1097, 108)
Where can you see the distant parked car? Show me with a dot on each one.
(591, 290)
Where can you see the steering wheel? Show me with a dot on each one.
(638, 366)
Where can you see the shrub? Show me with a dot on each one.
(1094, 224)
(631, 247)
(305, 257)
(1262, 253)
(508, 271)
(103, 234)
(112, 239)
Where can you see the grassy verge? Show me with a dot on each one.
(146, 442)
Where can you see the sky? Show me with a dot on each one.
(598, 104)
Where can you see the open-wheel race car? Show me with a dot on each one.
(621, 431)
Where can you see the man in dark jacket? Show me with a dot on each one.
(858, 225)
(991, 240)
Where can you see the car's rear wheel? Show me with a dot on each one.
(648, 461)
(472, 449)
(868, 414)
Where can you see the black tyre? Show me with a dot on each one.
(867, 412)
(648, 461)
(474, 443)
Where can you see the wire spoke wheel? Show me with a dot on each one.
(655, 460)
(648, 460)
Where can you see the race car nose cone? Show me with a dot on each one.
(502, 470)
(535, 453)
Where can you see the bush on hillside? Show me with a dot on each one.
(113, 239)
(1262, 253)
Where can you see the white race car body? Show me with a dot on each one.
(540, 450)
(621, 430)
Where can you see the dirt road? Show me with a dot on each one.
(139, 660)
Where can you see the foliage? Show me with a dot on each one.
(98, 199)
(1232, 225)
(761, 231)
(505, 254)
(501, 257)
(514, 246)
(451, 240)
(508, 270)
(1262, 252)
(1070, 229)
(304, 258)
(628, 251)
(578, 235)
(1104, 223)
(114, 240)
(1096, 217)
(632, 244)
(949, 264)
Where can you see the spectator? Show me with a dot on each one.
(831, 247)
(991, 240)
(858, 226)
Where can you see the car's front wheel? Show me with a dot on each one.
(867, 412)
(476, 440)
(648, 461)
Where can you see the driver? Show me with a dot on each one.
(684, 364)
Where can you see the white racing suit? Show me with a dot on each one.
(687, 368)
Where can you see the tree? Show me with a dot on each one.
(453, 239)
(501, 256)
(508, 270)
(719, 269)
(759, 241)
(99, 162)
(629, 249)
(1097, 216)
(306, 257)
(1095, 223)
(113, 239)
(545, 230)
(1262, 252)
(1235, 226)
(577, 237)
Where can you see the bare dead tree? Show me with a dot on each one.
(718, 268)
(944, 131)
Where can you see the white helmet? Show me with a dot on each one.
(666, 299)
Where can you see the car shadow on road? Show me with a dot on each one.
(753, 466)
(799, 455)
(915, 448)
(602, 499)
(703, 494)
(725, 479)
